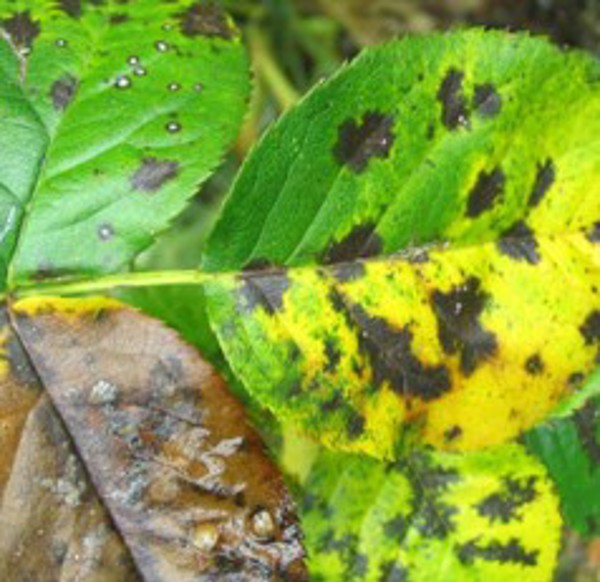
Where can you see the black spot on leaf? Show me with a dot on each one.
(355, 425)
(63, 91)
(333, 356)
(335, 402)
(259, 264)
(590, 328)
(487, 101)
(21, 28)
(488, 188)
(362, 242)
(454, 104)
(391, 357)
(534, 365)
(503, 505)
(452, 433)
(519, 243)
(70, 7)
(546, 174)
(206, 19)
(153, 173)
(117, 19)
(351, 271)
(459, 328)
(358, 143)
(265, 290)
(594, 234)
(509, 552)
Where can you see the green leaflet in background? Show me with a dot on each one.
(488, 515)
(419, 241)
(570, 449)
(113, 114)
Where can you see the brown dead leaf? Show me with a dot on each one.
(135, 463)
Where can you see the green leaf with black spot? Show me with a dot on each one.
(419, 241)
(570, 449)
(488, 515)
(113, 113)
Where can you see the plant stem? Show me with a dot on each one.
(106, 283)
(269, 71)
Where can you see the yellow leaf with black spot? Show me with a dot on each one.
(423, 254)
(475, 516)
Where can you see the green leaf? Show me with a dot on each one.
(419, 245)
(570, 449)
(489, 516)
(113, 114)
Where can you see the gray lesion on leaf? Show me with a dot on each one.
(153, 173)
(206, 19)
(63, 92)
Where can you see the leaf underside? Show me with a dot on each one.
(113, 113)
(125, 457)
(419, 245)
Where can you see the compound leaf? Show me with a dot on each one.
(112, 113)
(419, 240)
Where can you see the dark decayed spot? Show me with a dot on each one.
(454, 104)
(62, 92)
(153, 173)
(335, 402)
(21, 28)
(534, 365)
(587, 420)
(350, 271)
(546, 174)
(265, 290)
(452, 433)
(206, 19)
(575, 379)
(358, 143)
(70, 7)
(333, 356)
(459, 329)
(486, 100)
(258, 264)
(511, 552)
(355, 424)
(488, 188)
(362, 242)
(590, 328)
(519, 243)
(391, 357)
(504, 504)
(118, 18)
(594, 234)
(393, 572)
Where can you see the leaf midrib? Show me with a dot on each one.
(41, 165)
